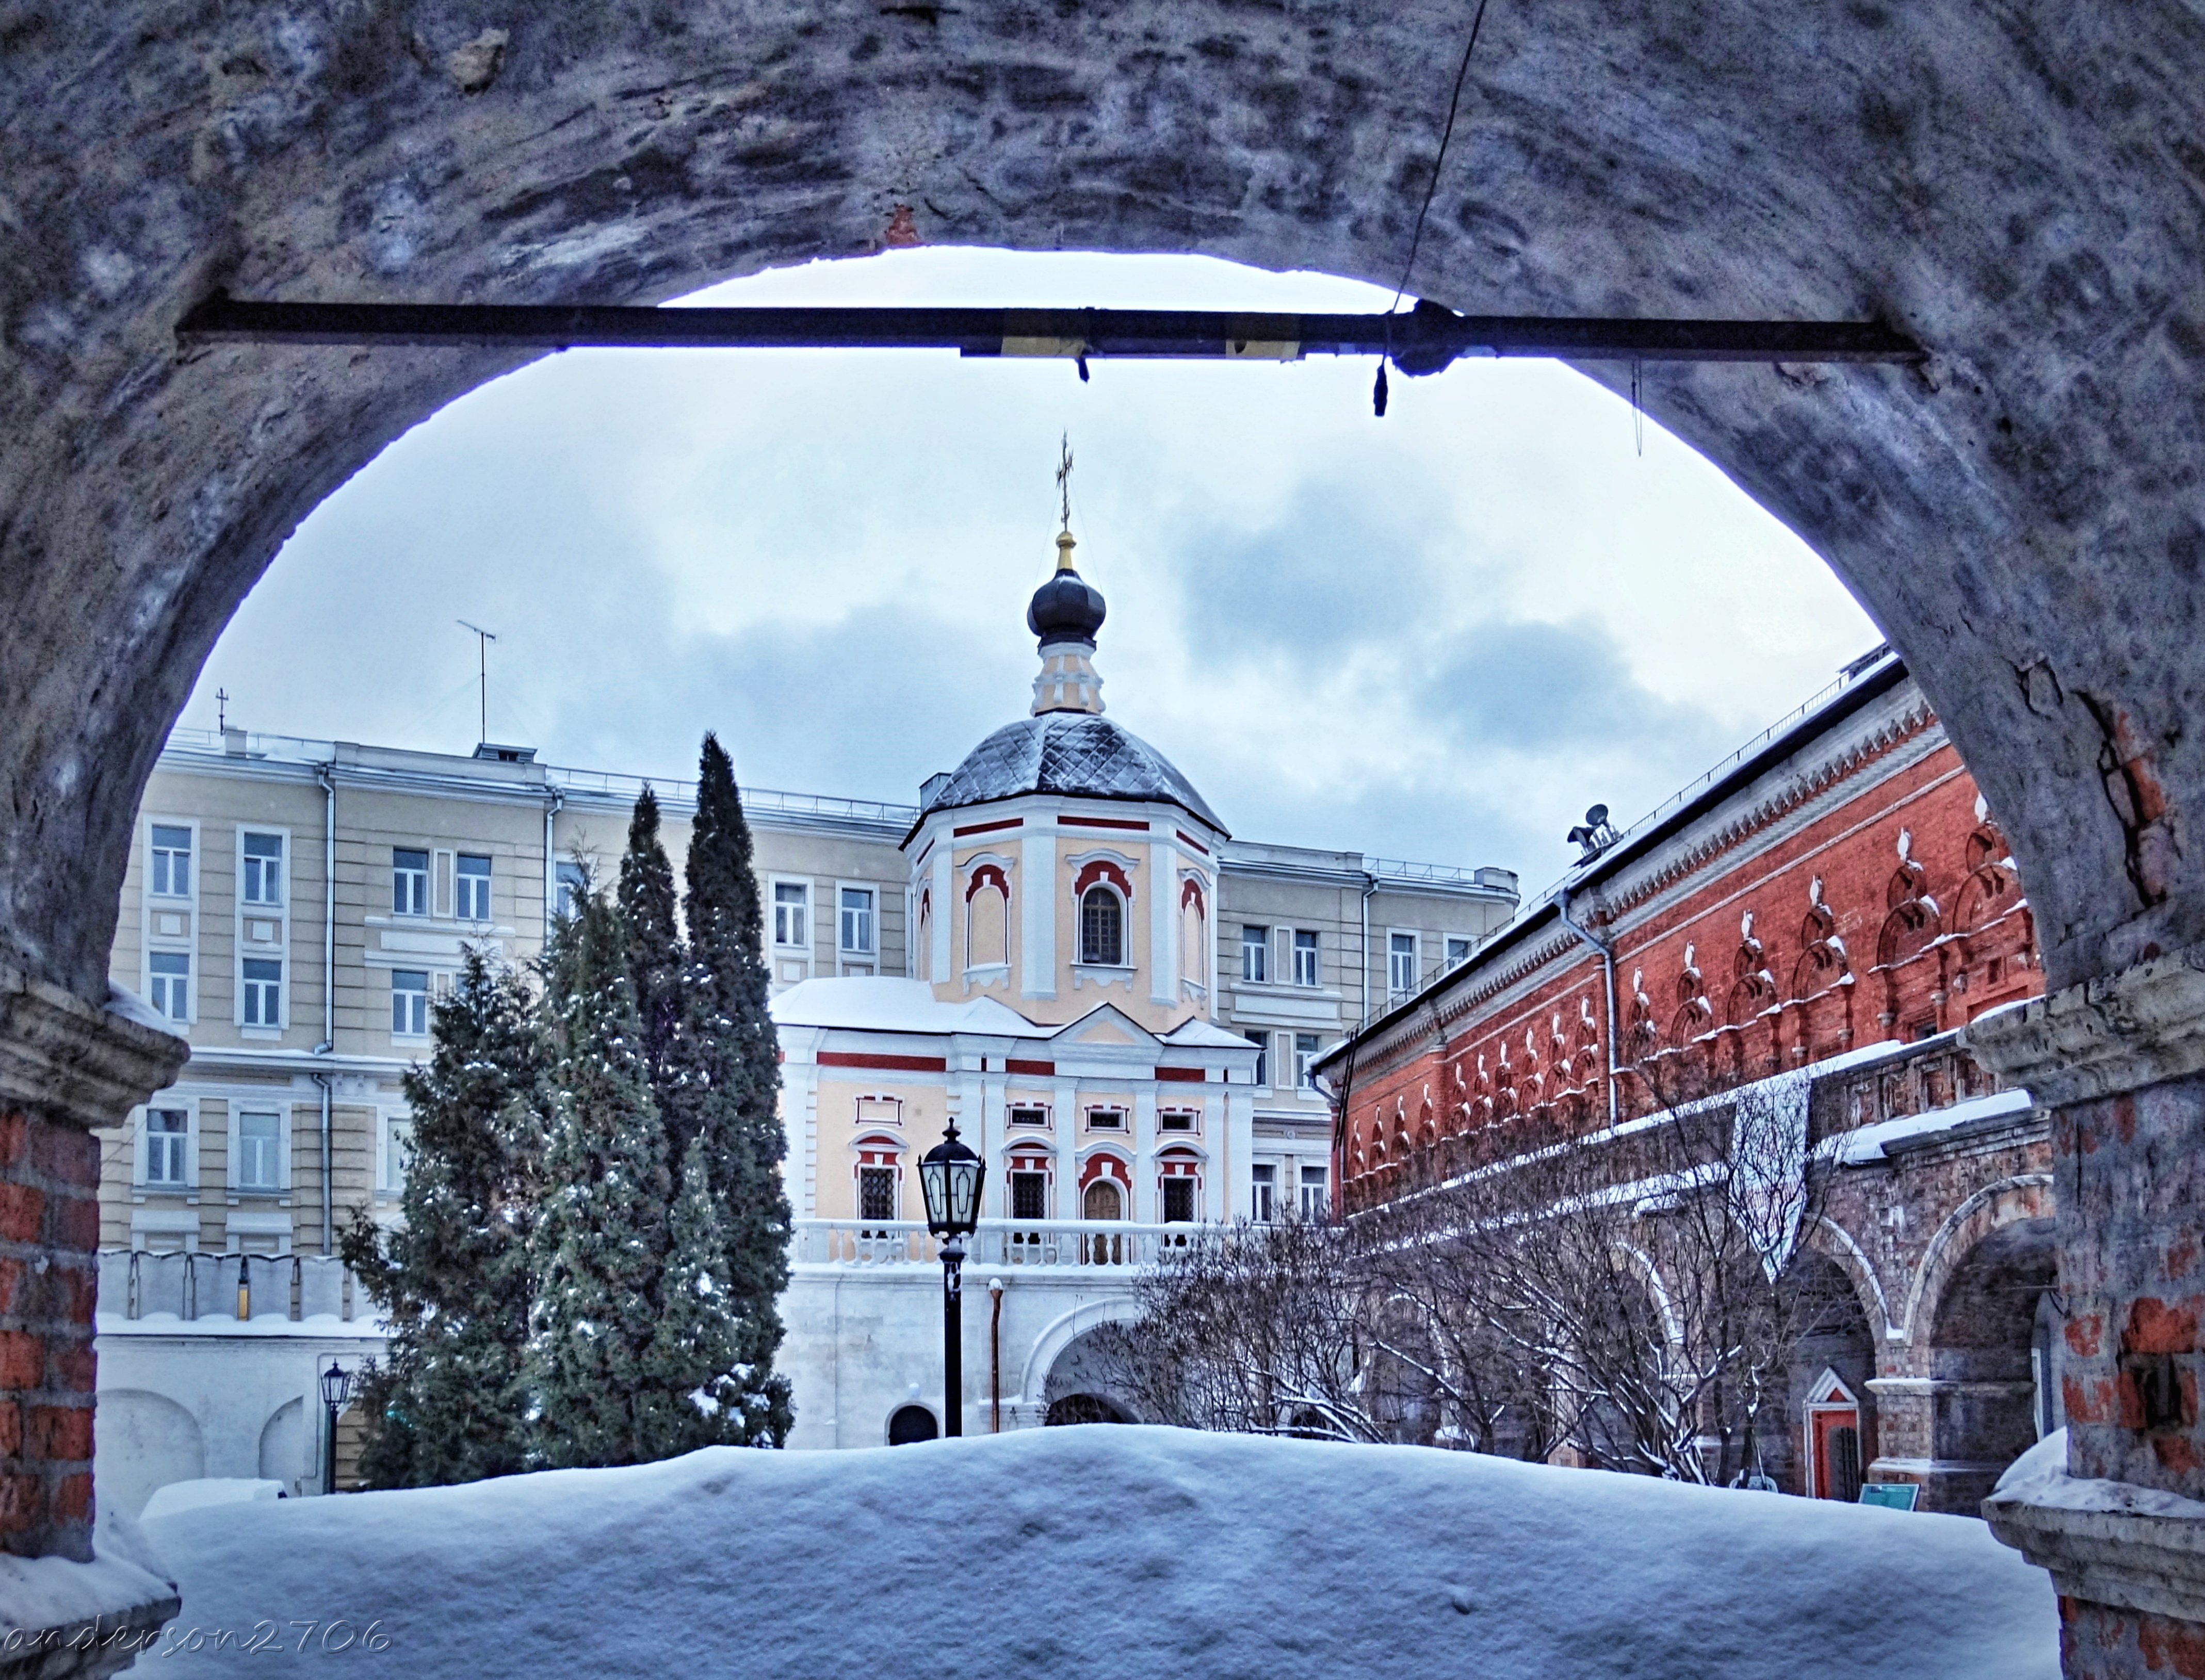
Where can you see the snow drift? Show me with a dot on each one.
(1102, 1550)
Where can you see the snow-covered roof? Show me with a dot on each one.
(1205, 1036)
(1071, 753)
(875, 1003)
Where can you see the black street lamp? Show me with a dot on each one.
(337, 1389)
(949, 1176)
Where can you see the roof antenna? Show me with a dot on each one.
(483, 639)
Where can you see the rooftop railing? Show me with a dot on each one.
(1109, 1244)
(136, 1284)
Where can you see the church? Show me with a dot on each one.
(1059, 1010)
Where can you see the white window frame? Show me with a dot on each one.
(487, 905)
(142, 1177)
(191, 985)
(1469, 948)
(421, 879)
(1189, 1113)
(1305, 1060)
(896, 1190)
(1047, 1122)
(1264, 1192)
(427, 991)
(871, 953)
(392, 1151)
(247, 987)
(1118, 1127)
(1323, 1186)
(1021, 1165)
(1259, 950)
(190, 826)
(1394, 990)
(567, 879)
(1081, 959)
(1314, 950)
(281, 1110)
(1263, 1047)
(803, 885)
(265, 907)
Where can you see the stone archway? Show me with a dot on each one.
(1986, 1357)
(2015, 187)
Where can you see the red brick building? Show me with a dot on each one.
(1831, 907)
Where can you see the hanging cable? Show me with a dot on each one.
(1432, 186)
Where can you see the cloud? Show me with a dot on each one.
(1530, 687)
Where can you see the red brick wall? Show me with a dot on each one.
(1886, 946)
(49, 1231)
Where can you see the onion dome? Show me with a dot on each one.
(1067, 607)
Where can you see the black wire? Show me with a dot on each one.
(1431, 187)
(1454, 104)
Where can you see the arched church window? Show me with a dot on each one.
(1101, 928)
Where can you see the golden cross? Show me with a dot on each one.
(1064, 481)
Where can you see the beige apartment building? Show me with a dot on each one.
(296, 907)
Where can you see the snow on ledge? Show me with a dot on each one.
(1126, 1552)
(1867, 1145)
(124, 1576)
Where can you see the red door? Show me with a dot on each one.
(1837, 1452)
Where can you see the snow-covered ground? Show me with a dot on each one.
(1125, 1551)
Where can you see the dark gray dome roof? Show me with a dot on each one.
(1064, 752)
(1066, 608)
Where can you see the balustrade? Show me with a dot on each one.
(1007, 1242)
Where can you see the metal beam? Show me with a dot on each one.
(1423, 339)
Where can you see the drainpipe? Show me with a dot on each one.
(550, 860)
(1608, 969)
(327, 777)
(1369, 886)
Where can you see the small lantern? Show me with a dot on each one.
(950, 1176)
(337, 1388)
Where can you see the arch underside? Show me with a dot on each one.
(2011, 185)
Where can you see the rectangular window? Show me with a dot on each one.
(1256, 954)
(877, 1196)
(471, 898)
(263, 992)
(569, 882)
(263, 862)
(260, 1137)
(1457, 951)
(409, 1003)
(1307, 1045)
(172, 983)
(1179, 1201)
(1305, 958)
(1401, 965)
(792, 915)
(858, 919)
(397, 1152)
(168, 1131)
(1262, 1040)
(1178, 1119)
(172, 862)
(1263, 1203)
(409, 882)
(1106, 1120)
(1029, 1117)
(1316, 1204)
(1028, 1195)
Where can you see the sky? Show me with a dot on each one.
(1438, 635)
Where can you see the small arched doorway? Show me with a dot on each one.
(1083, 1409)
(910, 1423)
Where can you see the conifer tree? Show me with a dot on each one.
(700, 1393)
(725, 1076)
(447, 1404)
(600, 1236)
(654, 942)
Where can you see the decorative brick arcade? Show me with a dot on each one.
(66, 1069)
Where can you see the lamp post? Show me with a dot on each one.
(950, 1176)
(337, 1389)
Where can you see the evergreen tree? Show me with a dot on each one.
(447, 1404)
(725, 1078)
(600, 1235)
(654, 942)
(700, 1393)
